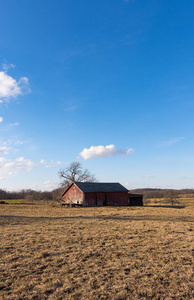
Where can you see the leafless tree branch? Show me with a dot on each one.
(74, 172)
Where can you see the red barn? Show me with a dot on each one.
(96, 194)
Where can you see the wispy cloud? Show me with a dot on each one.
(14, 141)
(11, 88)
(147, 176)
(1, 119)
(49, 185)
(6, 66)
(2, 160)
(14, 124)
(42, 162)
(71, 107)
(11, 144)
(170, 142)
(8, 127)
(10, 167)
(103, 151)
(52, 164)
(5, 150)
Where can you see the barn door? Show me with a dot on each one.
(105, 202)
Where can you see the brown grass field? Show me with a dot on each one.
(51, 252)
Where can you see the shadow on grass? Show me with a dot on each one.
(167, 206)
(15, 220)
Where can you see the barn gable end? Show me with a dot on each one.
(72, 196)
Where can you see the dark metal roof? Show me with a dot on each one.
(95, 187)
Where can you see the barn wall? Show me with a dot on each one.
(104, 199)
(73, 195)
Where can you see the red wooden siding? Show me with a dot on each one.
(103, 199)
(73, 195)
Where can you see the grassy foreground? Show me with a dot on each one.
(49, 252)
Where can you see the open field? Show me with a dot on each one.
(184, 201)
(49, 252)
(161, 201)
(14, 201)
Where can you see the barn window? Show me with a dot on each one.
(77, 202)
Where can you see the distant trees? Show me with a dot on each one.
(165, 196)
(11, 195)
(74, 172)
(56, 194)
(149, 193)
(171, 197)
(29, 195)
(32, 195)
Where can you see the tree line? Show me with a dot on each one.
(150, 193)
(75, 172)
(30, 195)
(55, 194)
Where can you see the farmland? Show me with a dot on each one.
(49, 252)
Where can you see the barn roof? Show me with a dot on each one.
(95, 187)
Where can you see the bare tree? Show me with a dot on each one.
(172, 197)
(74, 172)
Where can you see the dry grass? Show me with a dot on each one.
(163, 201)
(95, 253)
(14, 201)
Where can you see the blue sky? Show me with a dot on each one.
(106, 83)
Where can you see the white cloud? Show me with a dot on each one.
(42, 162)
(49, 184)
(103, 151)
(13, 166)
(11, 88)
(2, 160)
(1, 119)
(5, 149)
(20, 159)
(11, 145)
(52, 163)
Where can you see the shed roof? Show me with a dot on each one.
(95, 187)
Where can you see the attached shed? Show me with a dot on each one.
(135, 199)
(95, 194)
